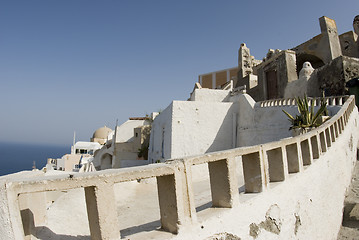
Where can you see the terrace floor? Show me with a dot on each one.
(137, 208)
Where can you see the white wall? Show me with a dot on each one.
(133, 163)
(190, 128)
(160, 138)
(184, 128)
(125, 131)
(210, 95)
(307, 205)
(266, 124)
(200, 127)
(124, 135)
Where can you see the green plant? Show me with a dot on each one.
(307, 118)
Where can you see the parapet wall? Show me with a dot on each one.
(294, 188)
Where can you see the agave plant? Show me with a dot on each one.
(307, 118)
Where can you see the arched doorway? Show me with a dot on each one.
(315, 61)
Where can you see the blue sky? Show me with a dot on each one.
(76, 65)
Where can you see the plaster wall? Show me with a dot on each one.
(288, 208)
(9, 205)
(210, 95)
(259, 125)
(263, 125)
(160, 138)
(200, 127)
(307, 205)
(6, 230)
(71, 160)
(125, 130)
(188, 128)
(126, 144)
(133, 163)
(60, 163)
(106, 149)
(125, 154)
(36, 204)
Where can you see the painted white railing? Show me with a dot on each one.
(262, 164)
(331, 101)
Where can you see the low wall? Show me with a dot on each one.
(265, 122)
(294, 188)
(133, 163)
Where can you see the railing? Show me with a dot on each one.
(262, 164)
(331, 101)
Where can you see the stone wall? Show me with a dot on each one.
(284, 65)
(349, 44)
(332, 77)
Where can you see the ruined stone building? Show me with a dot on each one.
(334, 57)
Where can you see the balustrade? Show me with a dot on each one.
(262, 164)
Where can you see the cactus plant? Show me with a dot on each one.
(307, 118)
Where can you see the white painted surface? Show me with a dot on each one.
(299, 87)
(210, 95)
(188, 128)
(261, 125)
(125, 130)
(133, 163)
(124, 138)
(87, 145)
(315, 199)
(160, 142)
(314, 195)
(191, 127)
(200, 127)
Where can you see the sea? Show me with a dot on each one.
(15, 157)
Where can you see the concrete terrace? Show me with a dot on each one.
(288, 189)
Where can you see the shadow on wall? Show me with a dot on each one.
(224, 136)
(106, 161)
(43, 232)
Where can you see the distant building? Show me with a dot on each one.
(81, 152)
(102, 135)
(129, 142)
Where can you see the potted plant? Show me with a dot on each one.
(307, 119)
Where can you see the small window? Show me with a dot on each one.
(83, 151)
(136, 134)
